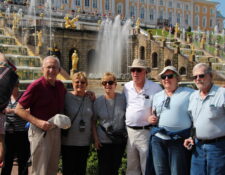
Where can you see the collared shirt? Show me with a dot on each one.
(175, 116)
(43, 99)
(139, 103)
(209, 113)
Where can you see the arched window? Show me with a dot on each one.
(196, 20)
(154, 60)
(151, 14)
(168, 62)
(119, 8)
(142, 52)
(142, 14)
(204, 21)
(106, 4)
(132, 11)
(182, 71)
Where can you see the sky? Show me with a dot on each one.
(221, 6)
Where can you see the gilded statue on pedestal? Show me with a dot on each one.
(39, 36)
(75, 60)
(70, 23)
(138, 23)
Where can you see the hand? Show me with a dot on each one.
(152, 119)
(188, 143)
(45, 125)
(97, 144)
(9, 111)
(91, 95)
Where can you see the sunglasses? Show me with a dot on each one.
(167, 102)
(136, 70)
(198, 76)
(104, 83)
(80, 82)
(169, 76)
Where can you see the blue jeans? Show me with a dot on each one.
(170, 157)
(208, 159)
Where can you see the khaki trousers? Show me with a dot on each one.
(137, 151)
(45, 150)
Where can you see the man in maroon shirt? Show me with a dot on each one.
(45, 98)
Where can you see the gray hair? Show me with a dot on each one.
(51, 57)
(207, 68)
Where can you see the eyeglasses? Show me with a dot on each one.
(104, 83)
(136, 70)
(167, 102)
(80, 82)
(198, 76)
(169, 76)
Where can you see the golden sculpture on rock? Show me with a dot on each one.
(39, 36)
(138, 23)
(70, 23)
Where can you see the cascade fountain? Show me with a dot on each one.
(111, 46)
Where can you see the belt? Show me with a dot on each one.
(139, 127)
(211, 140)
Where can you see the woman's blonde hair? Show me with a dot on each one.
(80, 75)
(109, 75)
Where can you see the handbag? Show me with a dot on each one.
(116, 136)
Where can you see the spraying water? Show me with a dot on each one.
(111, 46)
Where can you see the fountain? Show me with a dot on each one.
(111, 45)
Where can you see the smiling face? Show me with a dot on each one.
(138, 75)
(109, 83)
(169, 80)
(80, 83)
(50, 69)
(202, 78)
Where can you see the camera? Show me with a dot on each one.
(82, 125)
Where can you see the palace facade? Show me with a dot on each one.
(198, 14)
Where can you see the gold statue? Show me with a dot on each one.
(203, 40)
(16, 21)
(75, 60)
(192, 49)
(70, 23)
(39, 35)
(177, 30)
(138, 23)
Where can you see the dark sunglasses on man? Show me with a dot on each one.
(136, 70)
(198, 76)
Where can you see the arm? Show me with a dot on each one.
(97, 143)
(24, 114)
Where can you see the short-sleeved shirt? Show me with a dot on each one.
(209, 113)
(109, 112)
(175, 116)
(43, 99)
(139, 104)
(82, 108)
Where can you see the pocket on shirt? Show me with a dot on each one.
(216, 111)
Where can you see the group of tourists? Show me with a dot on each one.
(174, 130)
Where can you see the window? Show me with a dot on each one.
(119, 8)
(161, 2)
(170, 4)
(152, 1)
(161, 14)
(142, 1)
(94, 4)
(142, 52)
(186, 7)
(211, 22)
(170, 18)
(178, 18)
(142, 14)
(212, 11)
(77, 2)
(196, 9)
(186, 19)
(204, 10)
(178, 5)
(151, 15)
(196, 20)
(106, 4)
(132, 11)
(204, 21)
(154, 60)
(182, 71)
(87, 3)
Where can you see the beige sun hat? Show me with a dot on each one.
(172, 68)
(61, 121)
(139, 63)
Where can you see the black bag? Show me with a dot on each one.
(8, 79)
(117, 136)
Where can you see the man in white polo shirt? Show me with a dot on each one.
(139, 93)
